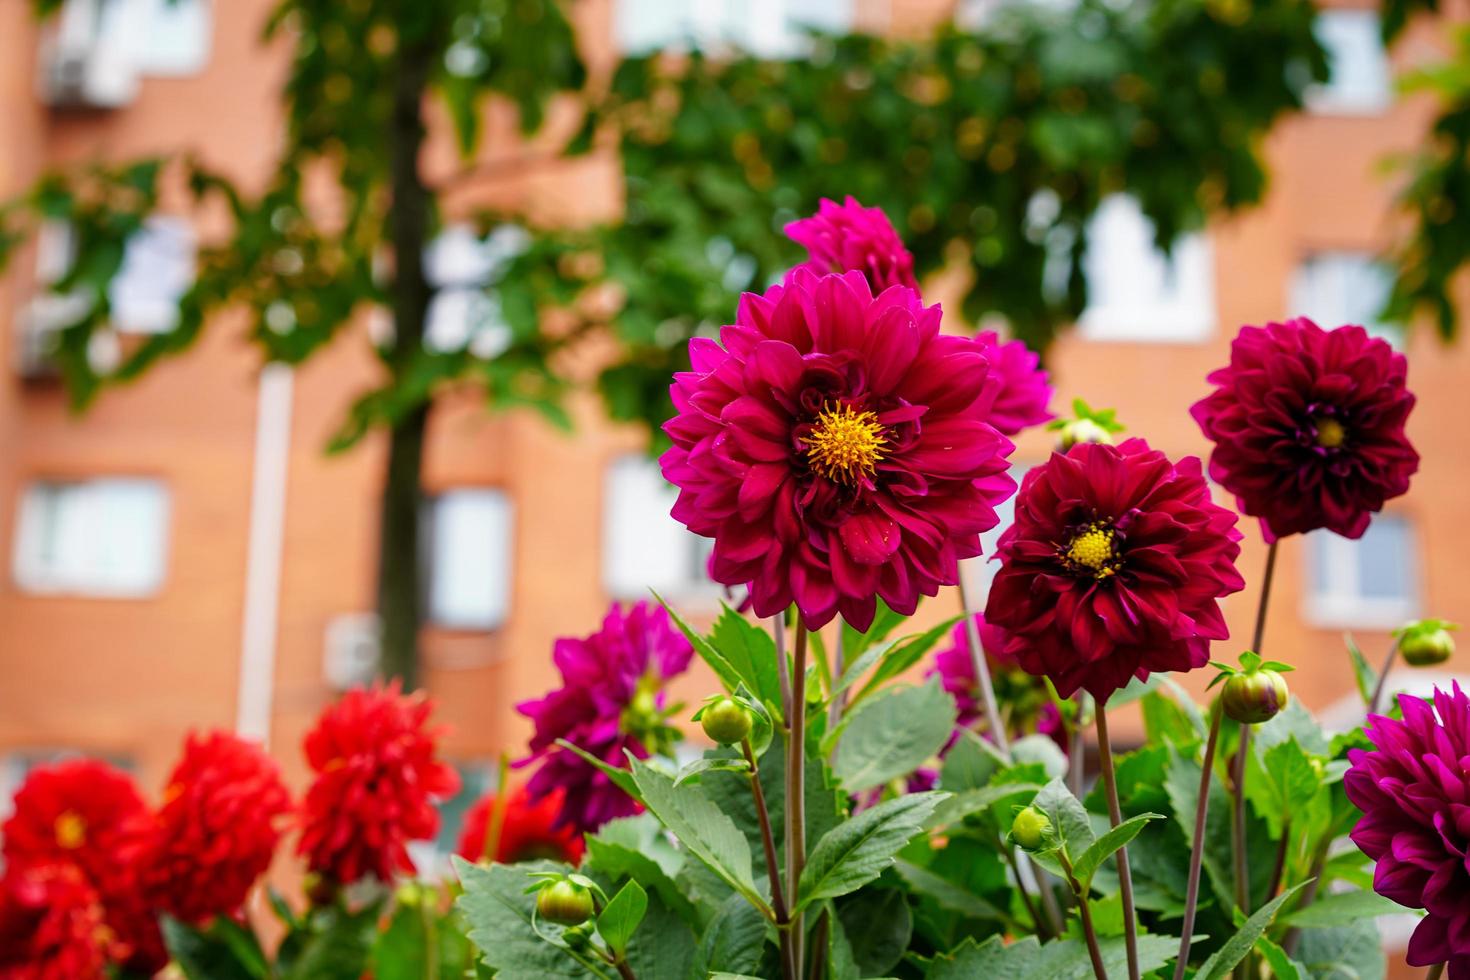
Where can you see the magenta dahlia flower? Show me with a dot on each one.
(1414, 792)
(1113, 568)
(611, 700)
(848, 237)
(1022, 392)
(838, 448)
(1308, 426)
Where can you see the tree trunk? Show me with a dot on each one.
(400, 590)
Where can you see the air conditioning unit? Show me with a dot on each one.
(352, 651)
(45, 318)
(79, 69)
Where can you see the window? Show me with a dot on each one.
(158, 37)
(104, 537)
(980, 572)
(1333, 288)
(460, 266)
(157, 270)
(1135, 291)
(767, 28)
(643, 547)
(469, 558)
(1371, 583)
(1359, 79)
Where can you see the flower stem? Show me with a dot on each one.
(1036, 920)
(796, 790)
(773, 868)
(1242, 866)
(1379, 688)
(1115, 813)
(1434, 972)
(1088, 930)
(994, 724)
(839, 665)
(498, 808)
(1197, 851)
(1278, 871)
(783, 668)
(1260, 632)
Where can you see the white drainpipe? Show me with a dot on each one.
(263, 559)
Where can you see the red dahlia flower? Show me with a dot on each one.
(1308, 426)
(1114, 568)
(611, 701)
(1022, 392)
(1414, 792)
(88, 814)
(838, 448)
(378, 776)
(217, 829)
(529, 830)
(849, 237)
(51, 925)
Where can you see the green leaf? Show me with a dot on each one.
(1293, 721)
(1342, 908)
(1165, 721)
(1354, 951)
(635, 847)
(699, 825)
(1041, 750)
(420, 943)
(716, 660)
(945, 892)
(338, 944)
(1063, 959)
(973, 802)
(855, 852)
(892, 735)
(709, 763)
(498, 910)
(878, 925)
(620, 918)
(222, 951)
(904, 654)
(1283, 967)
(885, 621)
(1116, 838)
(664, 947)
(751, 653)
(969, 763)
(1068, 817)
(1281, 783)
(620, 778)
(1237, 946)
(734, 939)
(1365, 676)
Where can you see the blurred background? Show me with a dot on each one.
(343, 350)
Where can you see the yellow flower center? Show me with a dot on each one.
(71, 830)
(1330, 433)
(845, 445)
(1093, 549)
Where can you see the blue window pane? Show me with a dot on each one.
(1385, 560)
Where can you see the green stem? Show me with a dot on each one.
(796, 792)
(1197, 851)
(1115, 813)
(773, 868)
(1376, 701)
(1088, 930)
(1278, 870)
(1434, 972)
(1036, 921)
(497, 810)
(1242, 757)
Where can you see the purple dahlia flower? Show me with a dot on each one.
(1022, 392)
(1414, 792)
(1308, 426)
(611, 699)
(849, 237)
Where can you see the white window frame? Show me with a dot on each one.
(1336, 604)
(131, 28)
(618, 535)
(156, 314)
(764, 28)
(1332, 97)
(464, 312)
(497, 610)
(39, 503)
(1324, 280)
(1183, 309)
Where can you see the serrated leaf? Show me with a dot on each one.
(1342, 908)
(498, 912)
(664, 947)
(1068, 816)
(734, 939)
(945, 892)
(1116, 838)
(618, 921)
(969, 764)
(1239, 945)
(621, 778)
(751, 653)
(696, 767)
(1063, 959)
(905, 654)
(1281, 783)
(893, 734)
(878, 925)
(972, 802)
(855, 852)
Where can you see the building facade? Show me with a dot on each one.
(184, 555)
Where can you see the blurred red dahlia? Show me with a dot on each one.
(838, 448)
(378, 776)
(1414, 792)
(529, 832)
(1114, 568)
(217, 829)
(87, 814)
(51, 925)
(848, 237)
(1308, 426)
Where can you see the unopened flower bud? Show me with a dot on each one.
(1426, 644)
(564, 902)
(1081, 430)
(1031, 828)
(726, 721)
(1254, 696)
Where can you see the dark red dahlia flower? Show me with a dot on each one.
(1308, 426)
(530, 830)
(838, 448)
(217, 829)
(1114, 568)
(88, 814)
(1022, 392)
(378, 778)
(52, 925)
(849, 237)
(1414, 792)
(611, 700)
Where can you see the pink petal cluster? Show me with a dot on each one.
(1113, 568)
(849, 237)
(1308, 426)
(1414, 792)
(1022, 391)
(610, 680)
(838, 448)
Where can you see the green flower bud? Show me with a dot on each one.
(564, 902)
(1254, 696)
(1081, 430)
(1031, 828)
(725, 721)
(1426, 643)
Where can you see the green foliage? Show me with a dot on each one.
(892, 734)
(1238, 946)
(855, 852)
(222, 951)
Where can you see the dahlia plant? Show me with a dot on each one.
(875, 800)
